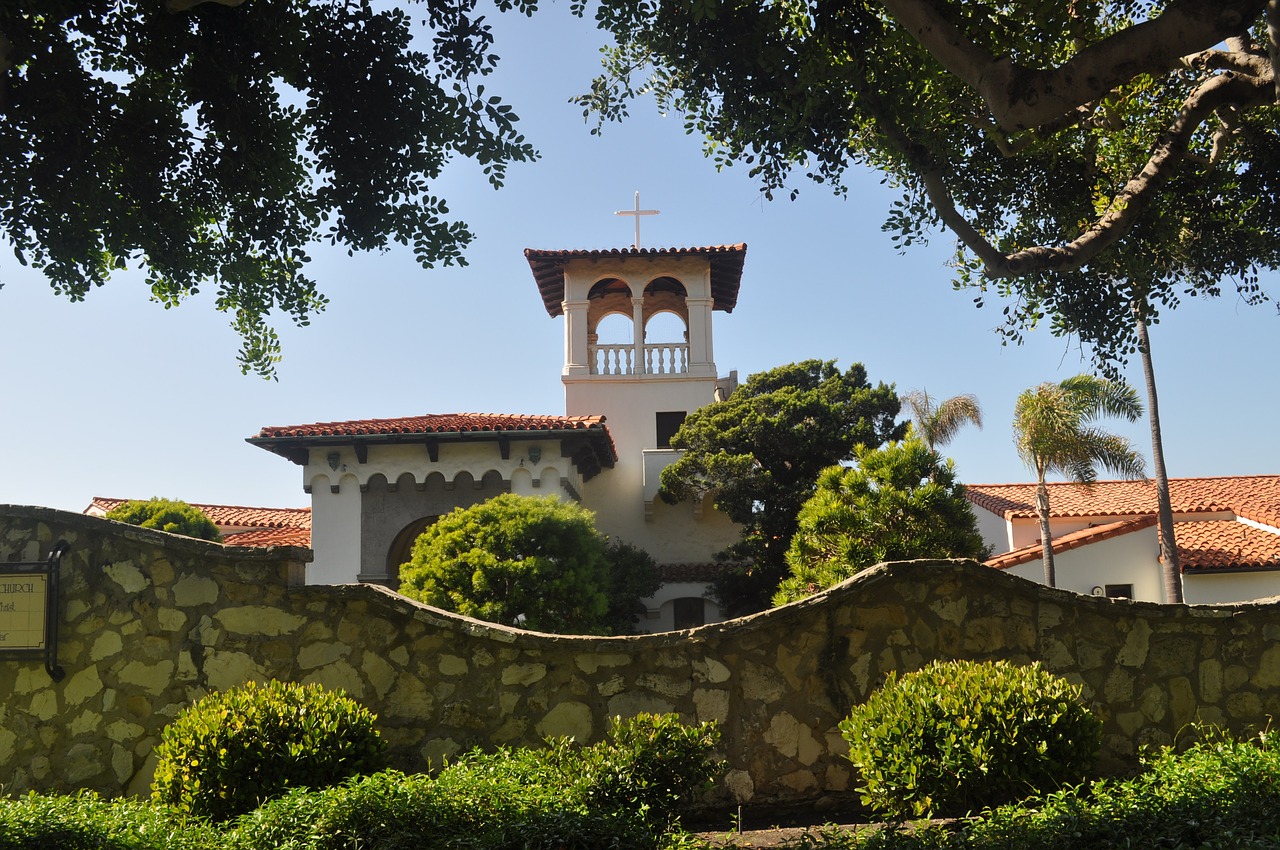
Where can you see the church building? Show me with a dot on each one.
(376, 484)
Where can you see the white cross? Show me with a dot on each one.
(637, 212)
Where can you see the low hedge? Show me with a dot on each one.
(623, 793)
(87, 822)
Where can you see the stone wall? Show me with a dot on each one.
(151, 622)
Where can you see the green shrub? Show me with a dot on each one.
(1218, 795)
(87, 822)
(234, 749)
(476, 809)
(166, 515)
(517, 560)
(960, 735)
(901, 502)
(620, 793)
(654, 765)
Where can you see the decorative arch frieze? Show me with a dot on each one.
(318, 483)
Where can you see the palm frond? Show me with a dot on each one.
(1053, 434)
(938, 423)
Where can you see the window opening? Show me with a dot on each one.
(668, 422)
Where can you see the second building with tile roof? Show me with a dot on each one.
(1105, 537)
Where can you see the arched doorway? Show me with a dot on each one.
(401, 548)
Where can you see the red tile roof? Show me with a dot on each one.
(698, 572)
(1226, 545)
(726, 270)
(598, 450)
(435, 423)
(235, 516)
(266, 526)
(1253, 497)
(270, 537)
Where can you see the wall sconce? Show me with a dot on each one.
(535, 454)
(334, 458)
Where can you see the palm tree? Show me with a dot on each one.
(937, 423)
(1170, 560)
(1054, 431)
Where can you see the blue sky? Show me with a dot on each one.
(119, 397)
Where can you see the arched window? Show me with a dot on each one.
(608, 287)
(615, 329)
(665, 327)
(666, 344)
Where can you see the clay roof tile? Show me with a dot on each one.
(1252, 497)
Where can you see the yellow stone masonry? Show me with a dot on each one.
(151, 622)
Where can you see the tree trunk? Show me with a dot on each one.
(1046, 542)
(6, 49)
(1170, 563)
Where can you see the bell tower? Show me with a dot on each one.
(655, 365)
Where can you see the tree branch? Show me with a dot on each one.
(1241, 61)
(6, 49)
(1127, 206)
(1214, 94)
(1022, 98)
(185, 5)
(1273, 40)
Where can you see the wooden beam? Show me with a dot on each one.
(362, 452)
(504, 447)
(433, 450)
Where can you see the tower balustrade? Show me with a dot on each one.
(662, 358)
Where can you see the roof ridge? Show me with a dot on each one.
(728, 246)
(1270, 475)
(206, 505)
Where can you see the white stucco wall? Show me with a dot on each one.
(995, 531)
(630, 405)
(474, 458)
(335, 529)
(1128, 559)
(1200, 588)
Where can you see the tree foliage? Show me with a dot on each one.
(533, 562)
(168, 515)
(900, 502)
(213, 142)
(1087, 155)
(758, 453)
(633, 576)
(938, 421)
(1053, 427)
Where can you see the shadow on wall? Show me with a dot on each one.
(150, 622)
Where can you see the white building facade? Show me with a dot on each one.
(375, 485)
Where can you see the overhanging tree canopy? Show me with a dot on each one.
(1067, 145)
(212, 142)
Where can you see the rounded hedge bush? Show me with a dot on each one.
(538, 563)
(166, 515)
(233, 750)
(958, 736)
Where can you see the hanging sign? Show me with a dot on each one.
(29, 610)
(24, 599)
